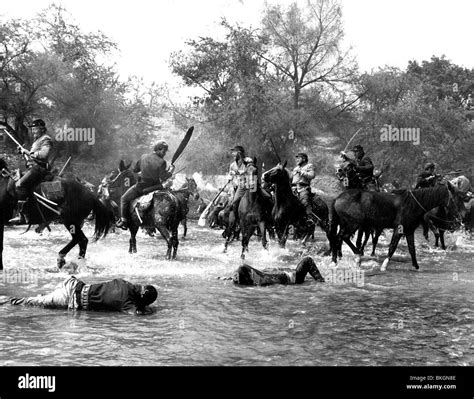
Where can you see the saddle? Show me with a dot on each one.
(143, 204)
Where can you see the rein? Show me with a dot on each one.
(435, 217)
(116, 177)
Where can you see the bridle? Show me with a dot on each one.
(458, 217)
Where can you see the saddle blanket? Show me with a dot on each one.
(52, 190)
(144, 203)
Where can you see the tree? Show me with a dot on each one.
(304, 45)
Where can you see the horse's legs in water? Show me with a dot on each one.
(174, 241)
(411, 248)
(391, 250)
(375, 240)
(185, 227)
(132, 249)
(73, 230)
(263, 229)
(246, 233)
(166, 235)
(441, 238)
(83, 241)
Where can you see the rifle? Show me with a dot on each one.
(64, 167)
(202, 218)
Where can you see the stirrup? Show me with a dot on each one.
(21, 217)
(122, 223)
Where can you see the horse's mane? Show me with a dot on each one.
(427, 195)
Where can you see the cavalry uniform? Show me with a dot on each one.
(301, 181)
(363, 167)
(427, 178)
(37, 166)
(116, 295)
(153, 172)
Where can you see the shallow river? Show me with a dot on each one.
(400, 317)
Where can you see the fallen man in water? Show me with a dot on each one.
(116, 295)
(247, 275)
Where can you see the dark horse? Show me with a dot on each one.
(254, 210)
(403, 212)
(163, 211)
(115, 184)
(288, 210)
(74, 206)
(184, 193)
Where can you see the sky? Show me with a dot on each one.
(381, 32)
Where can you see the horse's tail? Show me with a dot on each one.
(104, 218)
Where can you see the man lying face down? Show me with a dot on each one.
(115, 295)
(247, 275)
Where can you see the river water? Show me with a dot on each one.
(400, 318)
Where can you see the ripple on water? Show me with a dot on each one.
(400, 317)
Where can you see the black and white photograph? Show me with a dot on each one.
(225, 184)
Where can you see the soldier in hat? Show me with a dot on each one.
(37, 165)
(363, 166)
(303, 173)
(153, 172)
(427, 178)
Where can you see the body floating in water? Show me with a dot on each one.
(115, 295)
(247, 275)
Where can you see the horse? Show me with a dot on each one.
(403, 212)
(115, 184)
(287, 209)
(162, 210)
(188, 190)
(74, 205)
(254, 210)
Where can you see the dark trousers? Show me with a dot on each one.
(133, 192)
(28, 181)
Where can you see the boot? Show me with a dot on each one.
(122, 223)
(20, 218)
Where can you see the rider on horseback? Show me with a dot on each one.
(154, 172)
(237, 171)
(303, 173)
(363, 166)
(427, 178)
(37, 164)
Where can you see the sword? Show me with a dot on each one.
(24, 150)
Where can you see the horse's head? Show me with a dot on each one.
(455, 207)
(121, 178)
(277, 174)
(192, 187)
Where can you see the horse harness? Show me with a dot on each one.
(458, 214)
